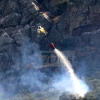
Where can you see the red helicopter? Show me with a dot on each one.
(52, 45)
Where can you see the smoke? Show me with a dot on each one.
(31, 76)
(26, 74)
(70, 82)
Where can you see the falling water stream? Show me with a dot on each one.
(78, 87)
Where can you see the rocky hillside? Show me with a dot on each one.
(65, 21)
(72, 25)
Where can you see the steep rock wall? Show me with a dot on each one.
(64, 20)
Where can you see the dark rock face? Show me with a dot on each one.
(40, 1)
(10, 20)
(72, 26)
(78, 17)
(19, 19)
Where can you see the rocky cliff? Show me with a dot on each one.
(64, 20)
(73, 25)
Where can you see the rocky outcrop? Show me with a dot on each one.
(77, 16)
(63, 20)
(72, 25)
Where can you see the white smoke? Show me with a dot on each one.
(25, 75)
(30, 78)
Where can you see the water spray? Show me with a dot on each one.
(80, 88)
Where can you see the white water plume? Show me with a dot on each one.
(79, 87)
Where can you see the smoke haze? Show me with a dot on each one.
(27, 76)
(23, 74)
